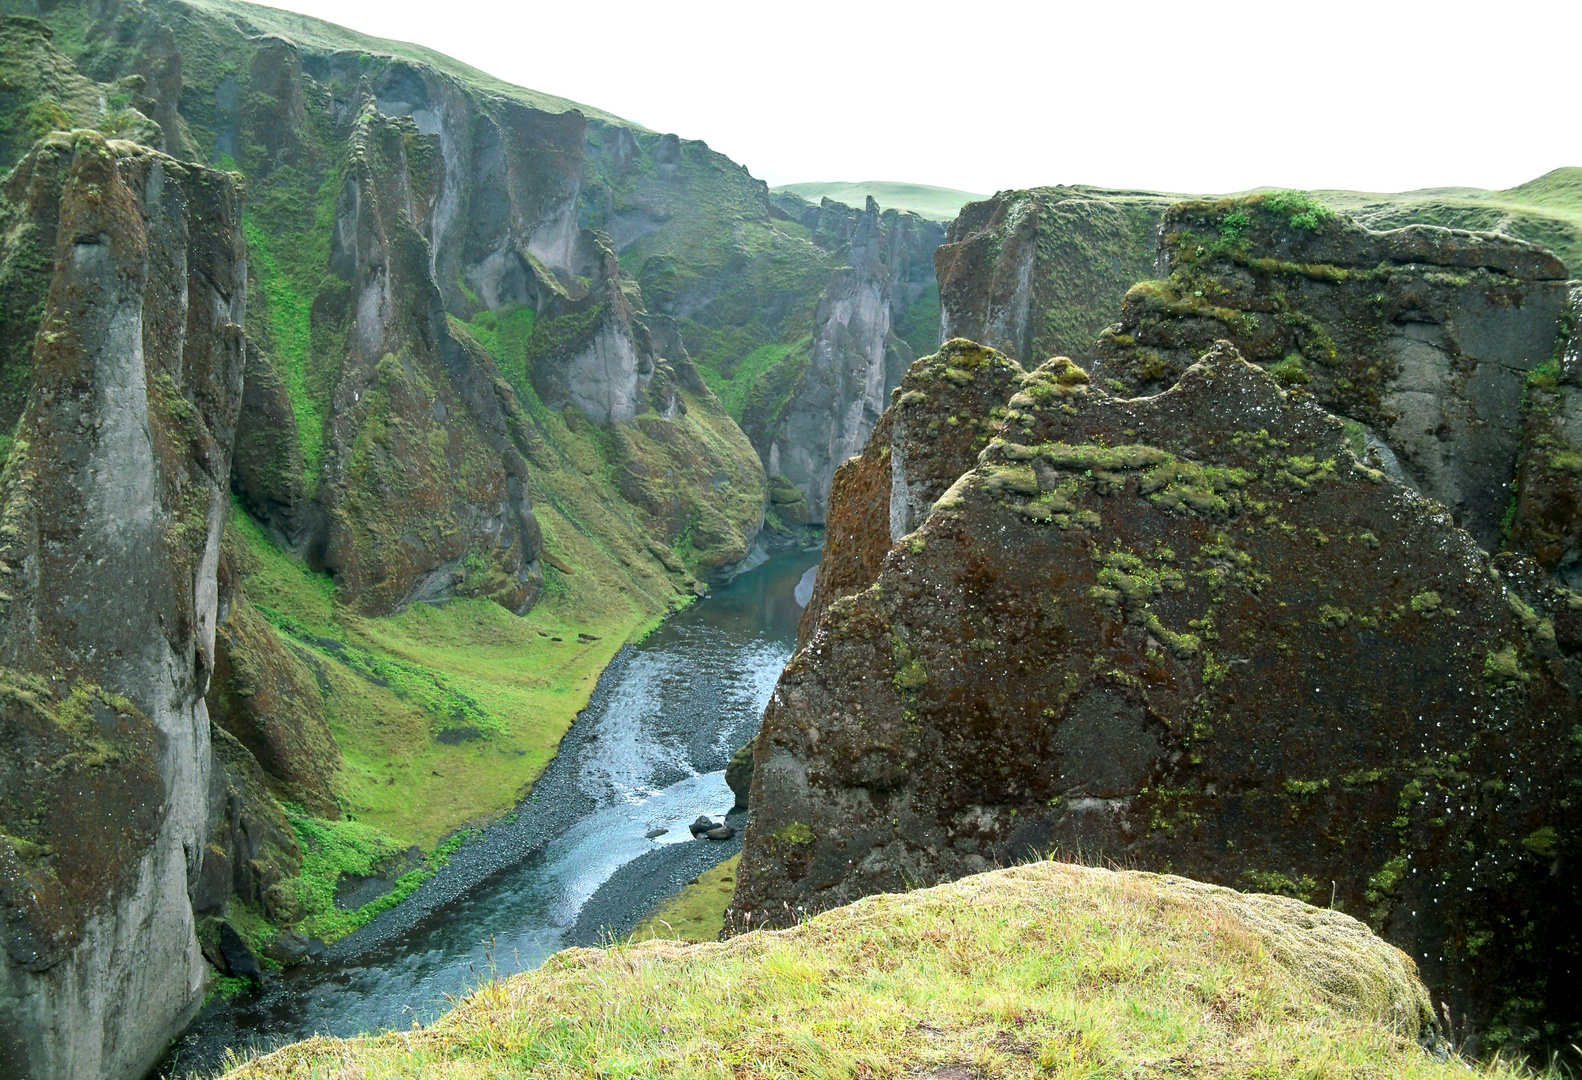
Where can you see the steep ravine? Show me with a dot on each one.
(646, 756)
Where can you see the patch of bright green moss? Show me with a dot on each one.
(697, 912)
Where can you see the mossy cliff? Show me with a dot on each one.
(1425, 337)
(1442, 346)
(114, 502)
(1190, 632)
(1039, 273)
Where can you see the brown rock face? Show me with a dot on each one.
(1190, 632)
(114, 496)
(943, 414)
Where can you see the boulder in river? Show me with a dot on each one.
(739, 774)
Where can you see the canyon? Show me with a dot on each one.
(358, 408)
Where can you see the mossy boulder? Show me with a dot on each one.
(1178, 632)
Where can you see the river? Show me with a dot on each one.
(578, 861)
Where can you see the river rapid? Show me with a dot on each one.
(578, 862)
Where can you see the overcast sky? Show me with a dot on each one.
(983, 95)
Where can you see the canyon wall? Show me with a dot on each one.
(1130, 605)
(115, 494)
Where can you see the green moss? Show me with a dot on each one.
(1541, 842)
(1272, 881)
(795, 833)
(1290, 371)
(1502, 667)
(1382, 888)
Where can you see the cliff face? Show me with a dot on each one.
(1423, 336)
(1039, 273)
(114, 497)
(1170, 631)
(872, 319)
(1444, 348)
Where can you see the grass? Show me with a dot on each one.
(396, 683)
(1049, 970)
(697, 912)
(733, 390)
(1546, 211)
(924, 200)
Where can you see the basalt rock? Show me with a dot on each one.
(944, 413)
(1039, 273)
(1547, 522)
(830, 401)
(739, 775)
(1189, 631)
(114, 497)
(1422, 336)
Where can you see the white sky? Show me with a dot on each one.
(982, 94)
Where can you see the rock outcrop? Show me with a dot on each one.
(1193, 631)
(829, 403)
(1039, 273)
(114, 495)
(1423, 336)
(1547, 518)
(1439, 344)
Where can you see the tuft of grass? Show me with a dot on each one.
(1048, 970)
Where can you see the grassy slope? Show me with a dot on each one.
(937, 203)
(697, 912)
(1048, 970)
(316, 34)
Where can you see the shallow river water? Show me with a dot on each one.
(575, 863)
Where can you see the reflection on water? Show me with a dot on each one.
(691, 693)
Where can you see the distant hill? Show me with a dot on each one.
(937, 203)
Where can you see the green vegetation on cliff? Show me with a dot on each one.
(445, 714)
(1047, 970)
